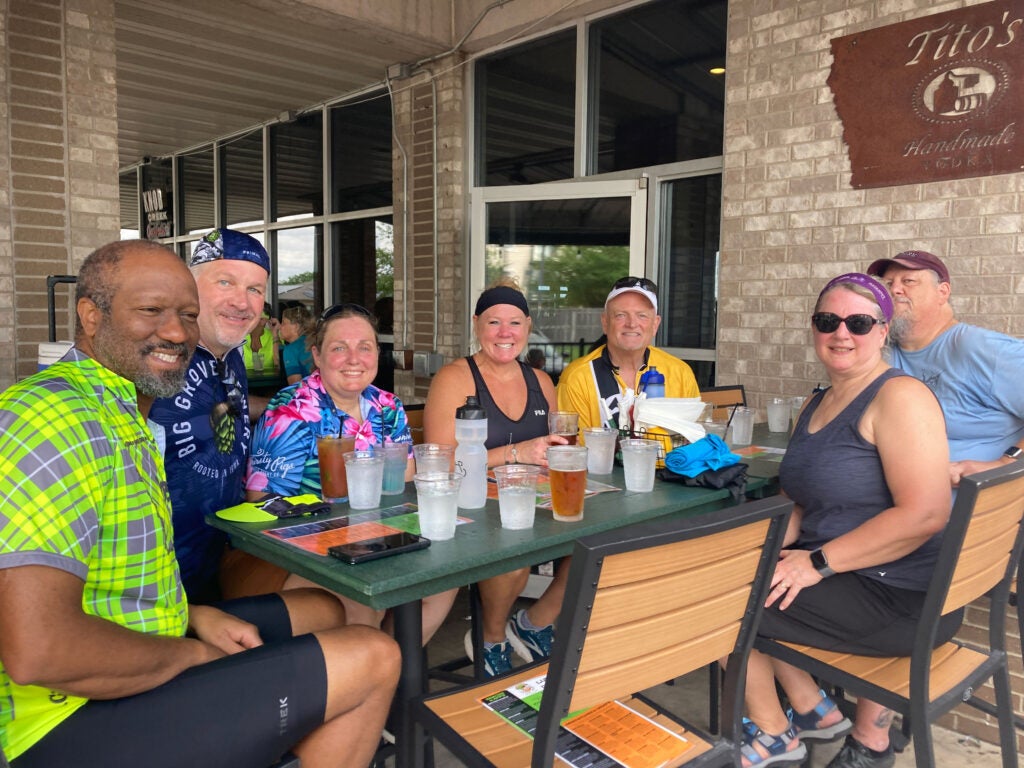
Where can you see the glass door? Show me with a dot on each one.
(684, 234)
(564, 244)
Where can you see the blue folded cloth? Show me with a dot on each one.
(710, 452)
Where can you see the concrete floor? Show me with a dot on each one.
(688, 697)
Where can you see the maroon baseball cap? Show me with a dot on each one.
(912, 260)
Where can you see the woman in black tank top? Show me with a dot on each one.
(517, 399)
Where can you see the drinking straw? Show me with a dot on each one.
(606, 413)
(731, 414)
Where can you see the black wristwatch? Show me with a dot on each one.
(820, 563)
(1013, 452)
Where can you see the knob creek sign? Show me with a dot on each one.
(935, 98)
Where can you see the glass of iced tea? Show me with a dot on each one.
(567, 475)
(564, 423)
(331, 450)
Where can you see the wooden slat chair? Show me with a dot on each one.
(414, 414)
(980, 550)
(1016, 588)
(724, 398)
(643, 604)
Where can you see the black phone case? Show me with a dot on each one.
(374, 549)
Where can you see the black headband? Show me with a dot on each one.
(501, 294)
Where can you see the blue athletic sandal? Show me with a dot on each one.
(805, 725)
(777, 747)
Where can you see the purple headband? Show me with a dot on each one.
(882, 297)
(501, 294)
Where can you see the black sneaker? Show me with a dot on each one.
(856, 755)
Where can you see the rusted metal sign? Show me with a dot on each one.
(935, 98)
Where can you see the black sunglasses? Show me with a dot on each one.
(635, 282)
(351, 309)
(858, 325)
(337, 309)
(232, 389)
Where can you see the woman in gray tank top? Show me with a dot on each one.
(867, 469)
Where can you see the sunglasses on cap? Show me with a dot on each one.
(337, 309)
(858, 325)
(636, 282)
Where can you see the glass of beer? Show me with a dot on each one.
(567, 474)
(564, 423)
(331, 450)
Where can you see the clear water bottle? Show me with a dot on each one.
(654, 383)
(470, 453)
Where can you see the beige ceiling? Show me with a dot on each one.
(193, 70)
(190, 71)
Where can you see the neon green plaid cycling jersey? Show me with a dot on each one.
(82, 489)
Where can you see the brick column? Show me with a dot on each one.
(430, 121)
(58, 161)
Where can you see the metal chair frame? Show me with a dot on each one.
(608, 601)
(980, 549)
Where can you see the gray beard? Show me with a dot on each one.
(161, 386)
(899, 329)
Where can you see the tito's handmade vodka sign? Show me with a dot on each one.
(935, 98)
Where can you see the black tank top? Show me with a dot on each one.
(501, 430)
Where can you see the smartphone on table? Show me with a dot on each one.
(381, 546)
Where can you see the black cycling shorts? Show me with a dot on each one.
(242, 711)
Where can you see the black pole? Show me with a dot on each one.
(51, 283)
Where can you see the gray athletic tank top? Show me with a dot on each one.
(836, 476)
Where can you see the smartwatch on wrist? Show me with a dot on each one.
(820, 563)
(1013, 452)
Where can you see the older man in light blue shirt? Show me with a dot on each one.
(976, 374)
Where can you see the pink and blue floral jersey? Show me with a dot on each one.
(284, 459)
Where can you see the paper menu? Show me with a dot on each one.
(609, 735)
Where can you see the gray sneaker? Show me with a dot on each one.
(856, 755)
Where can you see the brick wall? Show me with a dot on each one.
(59, 196)
(7, 350)
(791, 219)
(435, 155)
(970, 721)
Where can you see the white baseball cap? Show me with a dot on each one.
(641, 285)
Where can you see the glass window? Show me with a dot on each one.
(299, 256)
(243, 179)
(525, 118)
(564, 254)
(197, 203)
(361, 248)
(656, 98)
(296, 168)
(158, 198)
(384, 231)
(361, 155)
(129, 186)
(692, 216)
(185, 249)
